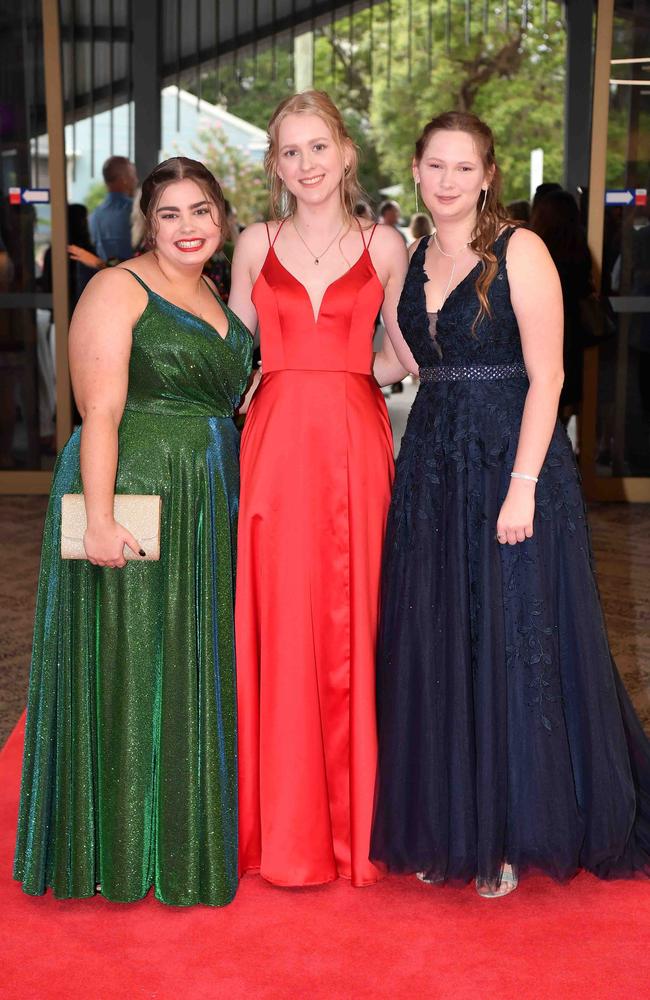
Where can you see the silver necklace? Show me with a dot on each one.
(317, 257)
(453, 258)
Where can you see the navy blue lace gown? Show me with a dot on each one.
(504, 730)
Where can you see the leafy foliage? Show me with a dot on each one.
(390, 77)
(243, 182)
(95, 196)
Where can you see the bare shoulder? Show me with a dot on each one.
(253, 242)
(526, 247)
(531, 272)
(257, 234)
(387, 237)
(116, 285)
(388, 248)
(113, 300)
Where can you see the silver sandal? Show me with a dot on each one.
(506, 883)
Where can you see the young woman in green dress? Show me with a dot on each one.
(129, 776)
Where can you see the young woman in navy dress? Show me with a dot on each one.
(507, 742)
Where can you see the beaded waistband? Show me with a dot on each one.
(472, 373)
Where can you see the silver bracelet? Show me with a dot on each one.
(523, 475)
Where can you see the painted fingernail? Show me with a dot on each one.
(142, 552)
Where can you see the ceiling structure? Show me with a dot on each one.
(102, 44)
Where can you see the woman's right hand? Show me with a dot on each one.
(104, 544)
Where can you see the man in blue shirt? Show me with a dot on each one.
(110, 223)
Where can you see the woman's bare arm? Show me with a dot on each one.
(390, 258)
(100, 348)
(536, 297)
(246, 265)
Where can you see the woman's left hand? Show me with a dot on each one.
(515, 522)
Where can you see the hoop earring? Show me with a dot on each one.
(485, 191)
(417, 204)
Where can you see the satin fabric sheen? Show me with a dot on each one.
(316, 467)
(129, 776)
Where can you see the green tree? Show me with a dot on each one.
(513, 81)
(95, 196)
(389, 77)
(243, 181)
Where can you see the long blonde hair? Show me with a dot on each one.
(312, 102)
(491, 216)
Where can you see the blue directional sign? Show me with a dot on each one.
(625, 197)
(29, 196)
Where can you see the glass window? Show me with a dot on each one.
(624, 359)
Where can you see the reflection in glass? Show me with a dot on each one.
(624, 362)
(27, 372)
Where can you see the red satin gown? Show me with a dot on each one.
(316, 475)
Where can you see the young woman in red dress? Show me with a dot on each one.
(317, 468)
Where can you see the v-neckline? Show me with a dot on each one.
(462, 280)
(188, 312)
(316, 316)
(427, 278)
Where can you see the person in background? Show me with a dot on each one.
(81, 265)
(110, 223)
(362, 210)
(556, 220)
(7, 403)
(218, 268)
(389, 215)
(6, 267)
(138, 228)
(542, 190)
(419, 226)
(519, 211)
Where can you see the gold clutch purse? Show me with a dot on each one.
(138, 514)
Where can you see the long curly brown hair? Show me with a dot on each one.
(491, 215)
(312, 102)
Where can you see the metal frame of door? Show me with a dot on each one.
(627, 488)
(38, 481)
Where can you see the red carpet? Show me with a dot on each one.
(399, 939)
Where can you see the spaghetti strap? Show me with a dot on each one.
(213, 291)
(277, 232)
(137, 278)
(372, 233)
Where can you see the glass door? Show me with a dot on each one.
(34, 407)
(616, 419)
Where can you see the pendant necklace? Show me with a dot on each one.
(453, 257)
(316, 257)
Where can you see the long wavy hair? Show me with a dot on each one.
(491, 216)
(312, 102)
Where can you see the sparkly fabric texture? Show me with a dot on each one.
(475, 373)
(129, 776)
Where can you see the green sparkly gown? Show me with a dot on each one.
(130, 771)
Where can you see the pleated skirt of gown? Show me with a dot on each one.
(129, 774)
(317, 468)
